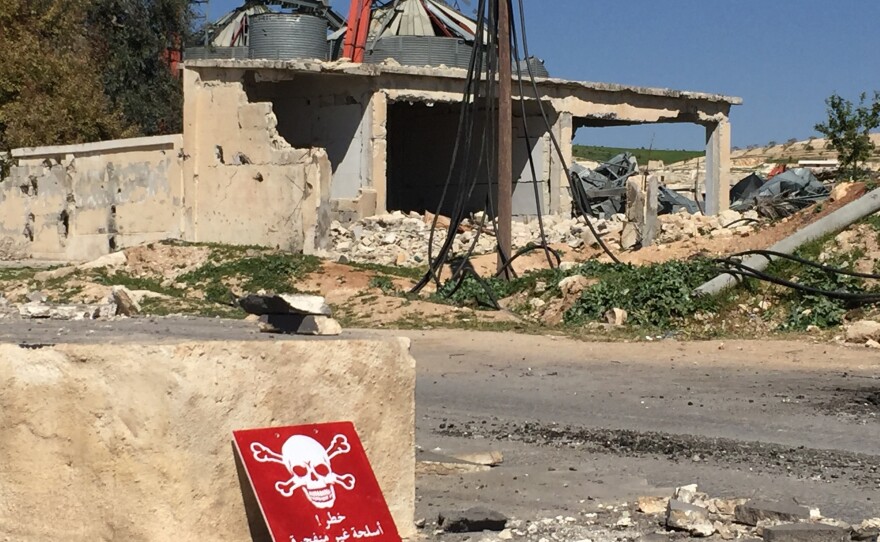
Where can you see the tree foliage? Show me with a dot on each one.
(85, 70)
(848, 130)
(50, 92)
(133, 38)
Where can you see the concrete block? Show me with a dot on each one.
(133, 441)
(682, 516)
(805, 532)
(284, 304)
(752, 512)
(299, 324)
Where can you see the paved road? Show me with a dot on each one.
(779, 420)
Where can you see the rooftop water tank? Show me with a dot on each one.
(288, 36)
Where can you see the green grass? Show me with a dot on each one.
(602, 154)
(275, 272)
(414, 273)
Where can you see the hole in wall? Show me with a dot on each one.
(64, 223)
(29, 227)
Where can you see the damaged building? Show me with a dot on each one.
(279, 142)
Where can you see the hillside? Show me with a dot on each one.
(602, 154)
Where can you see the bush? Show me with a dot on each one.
(654, 295)
(848, 130)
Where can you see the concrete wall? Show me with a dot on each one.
(79, 202)
(243, 183)
(133, 441)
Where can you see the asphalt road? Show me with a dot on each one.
(579, 423)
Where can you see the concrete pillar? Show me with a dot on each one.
(650, 230)
(717, 167)
(633, 232)
(560, 198)
(377, 173)
(192, 89)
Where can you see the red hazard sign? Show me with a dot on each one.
(314, 483)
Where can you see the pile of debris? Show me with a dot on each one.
(402, 239)
(121, 302)
(601, 191)
(686, 513)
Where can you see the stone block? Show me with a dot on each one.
(284, 304)
(752, 512)
(134, 441)
(805, 532)
(299, 324)
(692, 519)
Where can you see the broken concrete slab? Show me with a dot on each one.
(861, 331)
(66, 312)
(431, 463)
(125, 302)
(653, 505)
(472, 520)
(753, 512)
(492, 458)
(867, 530)
(681, 516)
(285, 304)
(299, 324)
(805, 532)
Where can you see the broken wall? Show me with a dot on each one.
(78, 202)
(247, 183)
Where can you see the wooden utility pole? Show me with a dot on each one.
(505, 137)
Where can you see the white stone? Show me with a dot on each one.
(863, 330)
(616, 317)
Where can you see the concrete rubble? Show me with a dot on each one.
(401, 239)
(291, 313)
(685, 514)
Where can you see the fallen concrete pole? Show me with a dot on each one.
(836, 221)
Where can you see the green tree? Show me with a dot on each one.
(848, 130)
(133, 38)
(50, 92)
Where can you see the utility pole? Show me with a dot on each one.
(505, 138)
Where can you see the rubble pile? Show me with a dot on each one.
(402, 239)
(686, 514)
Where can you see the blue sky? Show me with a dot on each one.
(783, 57)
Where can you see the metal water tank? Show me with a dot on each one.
(212, 53)
(421, 51)
(533, 63)
(287, 36)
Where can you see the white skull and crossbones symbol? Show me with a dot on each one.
(308, 463)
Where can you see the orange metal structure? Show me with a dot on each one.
(358, 28)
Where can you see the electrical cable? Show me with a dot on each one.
(738, 268)
(583, 212)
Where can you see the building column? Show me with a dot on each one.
(560, 198)
(377, 173)
(192, 105)
(717, 167)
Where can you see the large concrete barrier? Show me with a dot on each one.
(133, 441)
